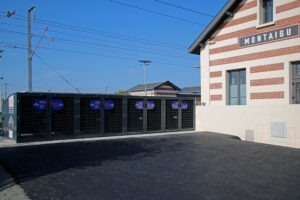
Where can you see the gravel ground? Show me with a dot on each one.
(186, 166)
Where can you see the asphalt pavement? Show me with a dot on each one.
(183, 166)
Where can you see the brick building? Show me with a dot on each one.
(250, 71)
(166, 88)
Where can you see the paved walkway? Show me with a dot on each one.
(175, 166)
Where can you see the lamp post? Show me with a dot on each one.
(1, 78)
(29, 49)
(146, 63)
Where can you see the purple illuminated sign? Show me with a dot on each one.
(139, 105)
(184, 105)
(40, 104)
(175, 105)
(95, 104)
(109, 105)
(150, 105)
(57, 104)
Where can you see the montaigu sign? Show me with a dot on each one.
(276, 34)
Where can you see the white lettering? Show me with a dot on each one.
(247, 41)
(288, 31)
(270, 36)
(281, 33)
(275, 35)
(265, 36)
(252, 39)
(259, 38)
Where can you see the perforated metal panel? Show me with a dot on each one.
(187, 119)
(113, 117)
(171, 116)
(89, 118)
(58, 115)
(63, 120)
(34, 121)
(154, 116)
(135, 116)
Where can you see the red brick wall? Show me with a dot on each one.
(288, 6)
(267, 81)
(238, 21)
(266, 68)
(215, 85)
(215, 74)
(253, 30)
(246, 6)
(267, 95)
(259, 55)
(216, 97)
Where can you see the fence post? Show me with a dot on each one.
(49, 116)
(124, 114)
(145, 116)
(102, 116)
(76, 115)
(163, 115)
(179, 114)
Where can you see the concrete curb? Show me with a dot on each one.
(6, 142)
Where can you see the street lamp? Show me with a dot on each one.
(1, 78)
(29, 51)
(146, 63)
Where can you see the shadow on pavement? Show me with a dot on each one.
(29, 162)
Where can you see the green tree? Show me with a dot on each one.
(122, 92)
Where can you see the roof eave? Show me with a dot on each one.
(212, 26)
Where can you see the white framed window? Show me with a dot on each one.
(265, 12)
(296, 82)
(237, 87)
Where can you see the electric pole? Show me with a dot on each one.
(106, 89)
(5, 93)
(146, 63)
(29, 49)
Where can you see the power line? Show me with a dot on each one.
(158, 13)
(97, 39)
(18, 46)
(52, 68)
(96, 32)
(161, 53)
(183, 8)
(84, 37)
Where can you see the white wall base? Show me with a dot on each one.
(254, 119)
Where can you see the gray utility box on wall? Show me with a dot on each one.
(48, 116)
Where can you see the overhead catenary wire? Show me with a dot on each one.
(23, 46)
(183, 8)
(53, 69)
(161, 53)
(157, 13)
(92, 38)
(96, 32)
(97, 39)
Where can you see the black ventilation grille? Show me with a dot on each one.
(188, 115)
(89, 116)
(171, 115)
(34, 121)
(63, 119)
(113, 117)
(154, 116)
(135, 116)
